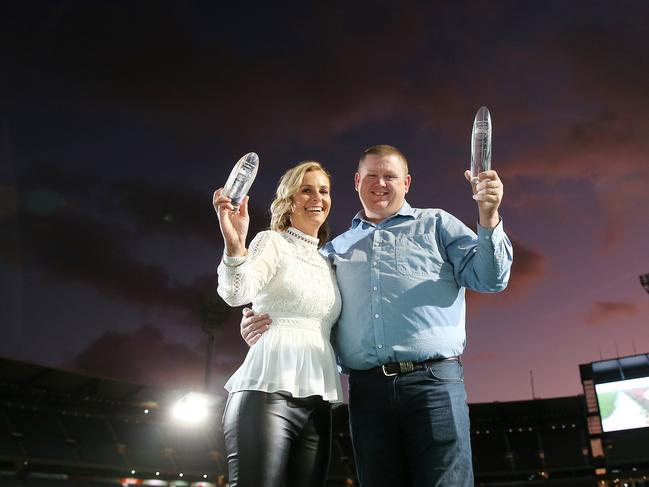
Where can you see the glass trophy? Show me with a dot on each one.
(480, 143)
(241, 178)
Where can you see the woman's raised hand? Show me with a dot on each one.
(234, 223)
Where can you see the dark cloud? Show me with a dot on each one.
(76, 250)
(621, 63)
(80, 229)
(172, 210)
(141, 206)
(149, 355)
(145, 356)
(592, 127)
(606, 311)
(528, 267)
(236, 77)
(235, 80)
(72, 250)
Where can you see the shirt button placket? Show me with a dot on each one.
(376, 297)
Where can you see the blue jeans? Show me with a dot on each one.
(411, 430)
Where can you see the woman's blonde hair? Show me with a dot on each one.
(289, 184)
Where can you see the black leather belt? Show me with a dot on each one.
(396, 368)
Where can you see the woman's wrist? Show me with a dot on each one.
(235, 251)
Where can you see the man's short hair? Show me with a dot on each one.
(383, 150)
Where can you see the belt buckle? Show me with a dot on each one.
(386, 373)
(405, 367)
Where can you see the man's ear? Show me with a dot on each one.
(407, 182)
(357, 180)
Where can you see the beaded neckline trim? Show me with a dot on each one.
(295, 233)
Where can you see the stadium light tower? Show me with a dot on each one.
(644, 280)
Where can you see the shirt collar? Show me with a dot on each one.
(406, 210)
(302, 237)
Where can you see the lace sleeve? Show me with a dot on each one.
(240, 284)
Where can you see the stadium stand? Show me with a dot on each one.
(94, 441)
(64, 429)
(530, 440)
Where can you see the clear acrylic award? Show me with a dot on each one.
(241, 178)
(480, 143)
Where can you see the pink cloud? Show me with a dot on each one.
(481, 357)
(603, 311)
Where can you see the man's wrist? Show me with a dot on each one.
(489, 221)
(490, 225)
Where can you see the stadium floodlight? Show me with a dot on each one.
(644, 280)
(191, 409)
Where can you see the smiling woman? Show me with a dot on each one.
(277, 421)
(311, 203)
(306, 186)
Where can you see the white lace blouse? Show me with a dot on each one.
(285, 276)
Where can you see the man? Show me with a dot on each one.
(402, 273)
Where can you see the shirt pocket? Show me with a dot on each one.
(418, 256)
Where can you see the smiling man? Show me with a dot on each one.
(402, 274)
(382, 182)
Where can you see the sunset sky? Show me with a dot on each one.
(118, 119)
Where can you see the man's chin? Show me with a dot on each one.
(380, 205)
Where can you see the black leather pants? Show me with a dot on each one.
(276, 440)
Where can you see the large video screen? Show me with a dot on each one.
(624, 404)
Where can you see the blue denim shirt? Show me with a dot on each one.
(403, 281)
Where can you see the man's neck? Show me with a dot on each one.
(376, 220)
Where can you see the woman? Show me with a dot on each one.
(277, 421)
